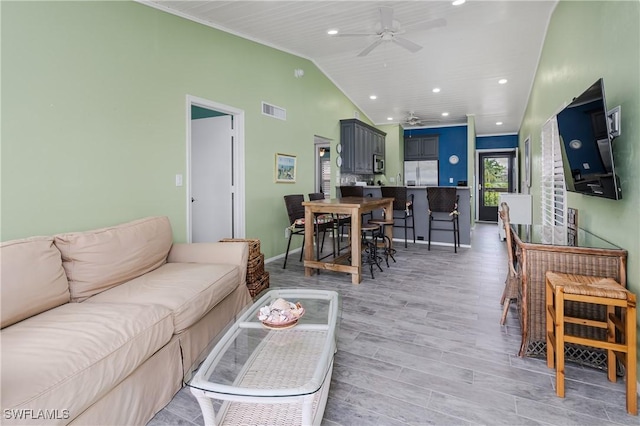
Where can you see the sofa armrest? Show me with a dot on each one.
(234, 253)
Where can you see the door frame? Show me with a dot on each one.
(319, 142)
(478, 180)
(238, 179)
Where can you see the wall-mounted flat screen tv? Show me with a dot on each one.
(587, 154)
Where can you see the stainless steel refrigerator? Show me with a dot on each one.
(421, 173)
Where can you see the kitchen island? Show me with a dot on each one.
(421, 216)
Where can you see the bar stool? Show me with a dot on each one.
(369, 246)
(443, 207)
(382, 241)
(600, 291)
(402, 208)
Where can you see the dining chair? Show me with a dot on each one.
(295, 211)
(512, 282)
(443, 207)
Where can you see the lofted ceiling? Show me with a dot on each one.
(465, 51)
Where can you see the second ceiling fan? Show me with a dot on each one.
(388, 30)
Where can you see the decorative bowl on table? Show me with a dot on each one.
(280, 314)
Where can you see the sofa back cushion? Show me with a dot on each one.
(100, 259)
(32, 277)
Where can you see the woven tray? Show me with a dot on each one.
(254, 245)
(260, 284)
(255, 268)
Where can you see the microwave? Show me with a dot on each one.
(378, 163)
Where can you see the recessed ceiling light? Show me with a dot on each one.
(436, 90)
(502, 81)
(373, 97)
(389, 118)
(458, 2)
(445, 114)
(498, 123)
(332, 32)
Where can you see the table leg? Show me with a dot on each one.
(308, 239)
(388, 231)
(356, 241)
(206, 405)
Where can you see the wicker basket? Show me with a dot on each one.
(255, 268)
(255, 287)
(254, 245)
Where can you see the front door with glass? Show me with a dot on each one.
(495, 176)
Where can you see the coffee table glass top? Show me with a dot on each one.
(253, 360)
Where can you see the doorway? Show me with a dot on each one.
(497, 173)
(215, 177)
(322, 180)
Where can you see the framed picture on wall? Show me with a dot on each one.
(285, 168)
(527, 163)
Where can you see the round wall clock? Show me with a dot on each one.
(454, 159)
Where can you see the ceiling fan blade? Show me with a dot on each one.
(386, 18)
(434, 23)
(369, 48)
(355, 35)
(409, 45)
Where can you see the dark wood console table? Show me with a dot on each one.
(541, 248)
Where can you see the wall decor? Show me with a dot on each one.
(285, 168)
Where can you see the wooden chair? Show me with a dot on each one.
(512, 283)
(402, 208)
(620, 326)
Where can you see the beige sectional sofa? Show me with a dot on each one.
(100, 327)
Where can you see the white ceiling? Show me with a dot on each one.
(482, 42)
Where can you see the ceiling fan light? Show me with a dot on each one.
(373, 97)
(498, 123)
(445, 114)
(389, 118)
(332, 31)
(502, 81)
(436, 90)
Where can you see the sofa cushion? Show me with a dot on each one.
(32, 277)
(70, 356)
(189, 290)
(103, 258)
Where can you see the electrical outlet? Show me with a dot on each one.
(450, 180)
(392, 179)
(287, 231)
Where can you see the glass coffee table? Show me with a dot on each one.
(267, 375)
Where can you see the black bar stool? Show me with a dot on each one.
(382, 241)
(443, 207)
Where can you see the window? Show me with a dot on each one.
(554, 208)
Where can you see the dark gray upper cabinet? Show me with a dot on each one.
(360, 142)
(421, 148)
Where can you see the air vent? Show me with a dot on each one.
(274, 111)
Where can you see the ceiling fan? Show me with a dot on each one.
(413, 120)
(388, 29)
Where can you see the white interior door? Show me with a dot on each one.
(212, 201)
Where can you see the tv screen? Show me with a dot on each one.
(585, 140)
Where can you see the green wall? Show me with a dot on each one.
(93, 126)
(585, 41)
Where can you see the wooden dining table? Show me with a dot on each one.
(355, 207)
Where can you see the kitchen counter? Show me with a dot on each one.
(421, 216)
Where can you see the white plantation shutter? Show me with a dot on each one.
(554, 207)
(326, 177)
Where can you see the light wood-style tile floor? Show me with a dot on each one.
(421, 344)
